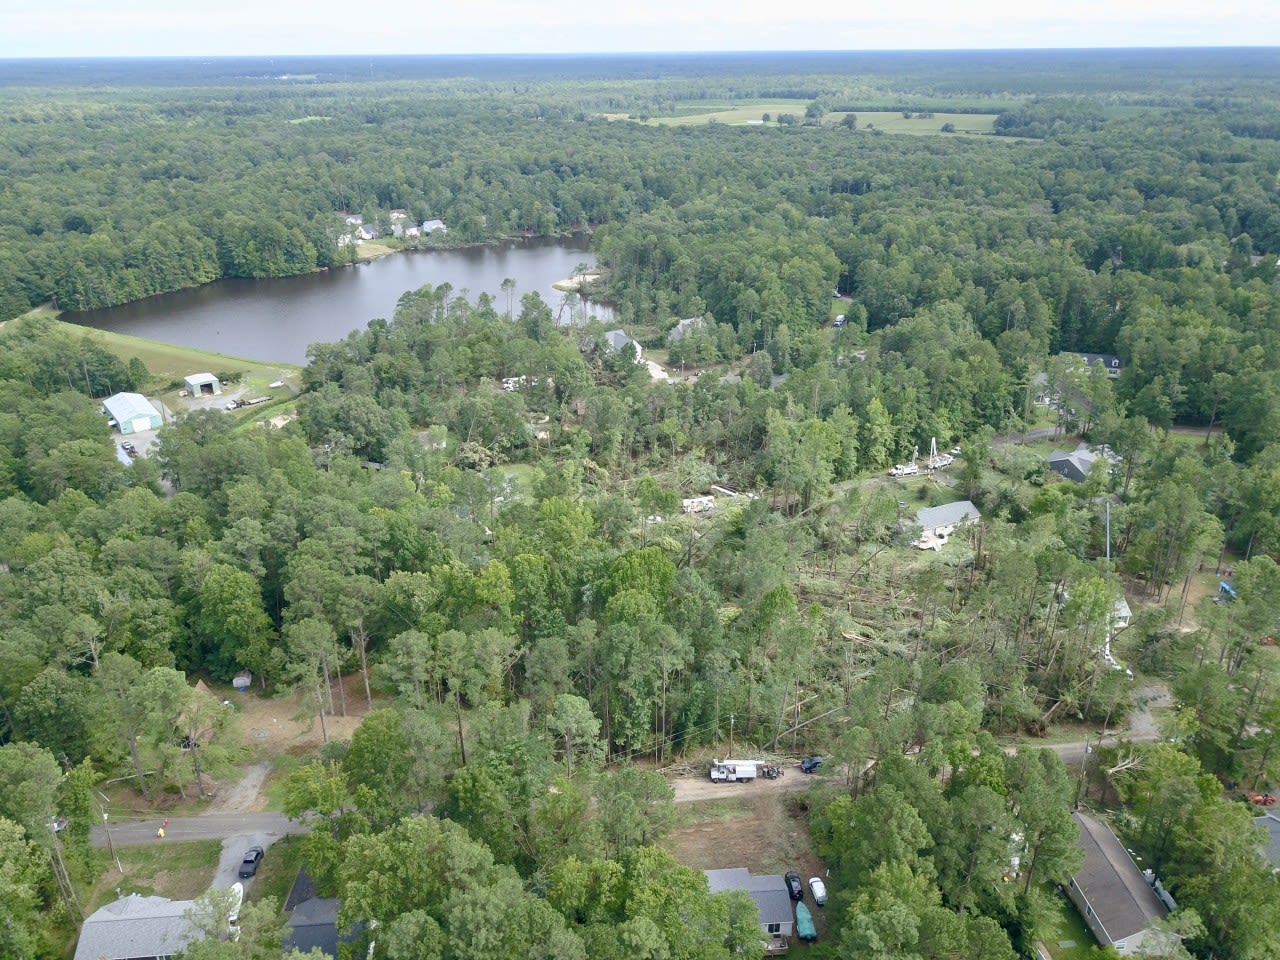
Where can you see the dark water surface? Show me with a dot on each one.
(278, 319)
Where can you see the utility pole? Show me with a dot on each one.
(110, 845)
(731, 734)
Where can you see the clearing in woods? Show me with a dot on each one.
(761, 826)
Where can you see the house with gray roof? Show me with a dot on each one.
(1271, 823)
(942, 521)
(132, 412)
(768, 891)
(617, 339)
(684, 328)
(138, 928)
(1077, 464)
(1115, 900)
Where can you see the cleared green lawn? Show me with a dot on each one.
(970, 123)
(179, 871)
(889, 122)
(1070, 939)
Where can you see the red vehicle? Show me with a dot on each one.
(1263, 799)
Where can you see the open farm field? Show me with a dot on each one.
(895, 122)
(752, 113)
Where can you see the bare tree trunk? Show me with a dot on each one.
(137, 766)
(324, 729)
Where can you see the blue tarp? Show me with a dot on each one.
(1227, 589)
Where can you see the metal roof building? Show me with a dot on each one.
(203, 383)
(132, 412)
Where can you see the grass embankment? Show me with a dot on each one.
(168, 361)
(278, 871)
(179, 871)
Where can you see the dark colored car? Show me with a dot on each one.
(810, 764)
(794, 886)
(252, 857)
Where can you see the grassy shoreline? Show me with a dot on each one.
(167, 361)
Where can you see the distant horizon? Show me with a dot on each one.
(73, 29)
(586, 54)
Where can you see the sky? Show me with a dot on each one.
(107, 28)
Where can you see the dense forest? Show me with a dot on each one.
(536, 627)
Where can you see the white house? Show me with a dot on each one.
(132, 412)
(1111, 893)
(431, 226)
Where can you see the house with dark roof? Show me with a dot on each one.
(313, 920)
(138, 928)
(1271, 823)
(1077, 464)
(769, 892)
(1113, 896)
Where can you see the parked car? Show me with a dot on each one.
(810, 764)
(249, 866)
(819, 890)
(794, 886)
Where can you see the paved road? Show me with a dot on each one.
(213, 826)
(237, 831)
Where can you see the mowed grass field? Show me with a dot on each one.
(744, 114)
(167, 361)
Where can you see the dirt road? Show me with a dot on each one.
(694, 789)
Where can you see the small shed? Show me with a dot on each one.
(132, 412)
(203, 384)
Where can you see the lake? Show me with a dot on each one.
(275, 320)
